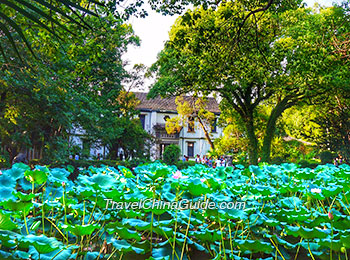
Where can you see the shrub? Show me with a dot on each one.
(326, 157)
(308, 164)
(277, 160)
(171, 154)
(183, 165)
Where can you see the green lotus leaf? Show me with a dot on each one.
(7, 181)
(126, 172)
(169, 196)
(291, 202)
(23, 196)
(6, 222)
(5, 255)
(6, 194)
(81, 230)
(21, 166)
(332, 191)
(14, 173)
(345, 240)
(306, 233)
(206, 235)
(257, 171)
(8, 238)
(36, 176)
(160, 172)
(335, 244)
(17, 206)
(92, 255)
(254, 246)
(123, 246)
(59, 175)
(165, 252)
(21, 255)
(234, 214)
(70, 168)
(137, 224)
(196, 187)
(263, 190)
(289, 167)
(123, 232)
(42, 243)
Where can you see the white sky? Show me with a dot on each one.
(153, 32)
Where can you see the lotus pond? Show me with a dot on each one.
(289, 213)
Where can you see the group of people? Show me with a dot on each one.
(338, 160)
(211, 161)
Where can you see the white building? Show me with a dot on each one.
(192, 141)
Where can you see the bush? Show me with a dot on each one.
(5, 161)
(308, 164)
(277, 160)
(171, 154)
(183, 165)
(326, 157)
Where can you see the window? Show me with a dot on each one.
(143, 119)
(213, 126)
(190, 125)
(190, 149)
(166, 118)
(162, 148)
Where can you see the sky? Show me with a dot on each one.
(153, 32)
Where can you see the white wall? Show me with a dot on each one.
(201, 145)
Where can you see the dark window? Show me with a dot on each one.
(190, 149)
(143, 119)
(166, 118)
(213, 126)
(162, 148)
(190, 124)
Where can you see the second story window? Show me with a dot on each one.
(190, 125)
(143, 119)
(213, 126)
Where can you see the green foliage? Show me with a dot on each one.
(277, 63)
(274, 197)
(79, 85)
(308, 164)
(185, 164)
(327, 157)
(76, 164)
(191, 110)
(334, 125)
(171, 154)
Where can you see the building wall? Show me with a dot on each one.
(152, 118)
(197, 138)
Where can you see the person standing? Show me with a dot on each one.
(218, 162)
(210, 162)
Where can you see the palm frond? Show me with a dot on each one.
(41, 13)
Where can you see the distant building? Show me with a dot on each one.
(192, 141)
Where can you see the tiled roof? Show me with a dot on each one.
(168, 104)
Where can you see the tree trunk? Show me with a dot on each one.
(271, 128)
(113, 152)
(253, 141)
(207, 136)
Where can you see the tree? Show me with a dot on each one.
(18, 17)
(271, 64)
(333, 121)
(171, 154)
(78, 84)
(191, 110)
